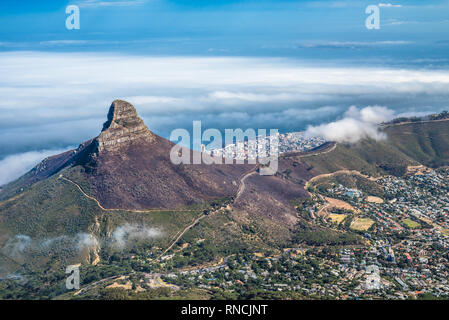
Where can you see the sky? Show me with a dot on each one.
(277, 64)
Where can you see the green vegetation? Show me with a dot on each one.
(426, 143)
(410, 223)
(407, 145)
(320, 236)
(352, 181)
(368, 157)
(440, 116)
(150, 294)
(55, 209)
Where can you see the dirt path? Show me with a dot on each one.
(93, 285)
(239, 192)
(323, 208)
(254, 170)
(313, 154)
(241, 189)
(349, 172)
(114, 209)
(180, 236)
(242, 183)
(11, 199)
(190, 226)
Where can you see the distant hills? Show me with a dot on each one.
(431, 117)
(408, 144)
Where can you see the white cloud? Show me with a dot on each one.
(357, 124)
(64, 42)
(15, 247)
(372, 114)
(51, 100)
(237, 97)
(16, 165)
(390, 5)
(86, 241)
(128, 233)
(350, 44)
(110, 3)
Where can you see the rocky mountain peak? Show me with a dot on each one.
(122, 127)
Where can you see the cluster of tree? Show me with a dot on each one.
(439, 116)
(324, 236)
(123, 294)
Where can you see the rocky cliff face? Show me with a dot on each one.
(122, 128)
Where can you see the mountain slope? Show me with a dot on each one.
(129, 167)
(126, 174)
(425, 142)
(119, 196)
(408, 144)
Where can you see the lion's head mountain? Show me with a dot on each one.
(124, 177)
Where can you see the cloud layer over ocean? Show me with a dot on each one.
(53, 100)
(14, 166)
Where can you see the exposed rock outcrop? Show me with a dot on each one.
(122, 127)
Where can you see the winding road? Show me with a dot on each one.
(180, 235)
(240, 191)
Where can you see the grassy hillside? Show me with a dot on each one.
(407, 144)
(350, 181)
(50, 215)
(368, 157)
(425, 142)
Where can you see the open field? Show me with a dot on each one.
(411, 224)
(374, 199)
(337, 218)
(361, 224)
(339, 204)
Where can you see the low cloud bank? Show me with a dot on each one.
(14, 166)
(355, 125)
(63, 98)
(129, 233)
(16, 247)
(19, 247)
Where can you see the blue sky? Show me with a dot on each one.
(303, 29)
(231, 64)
